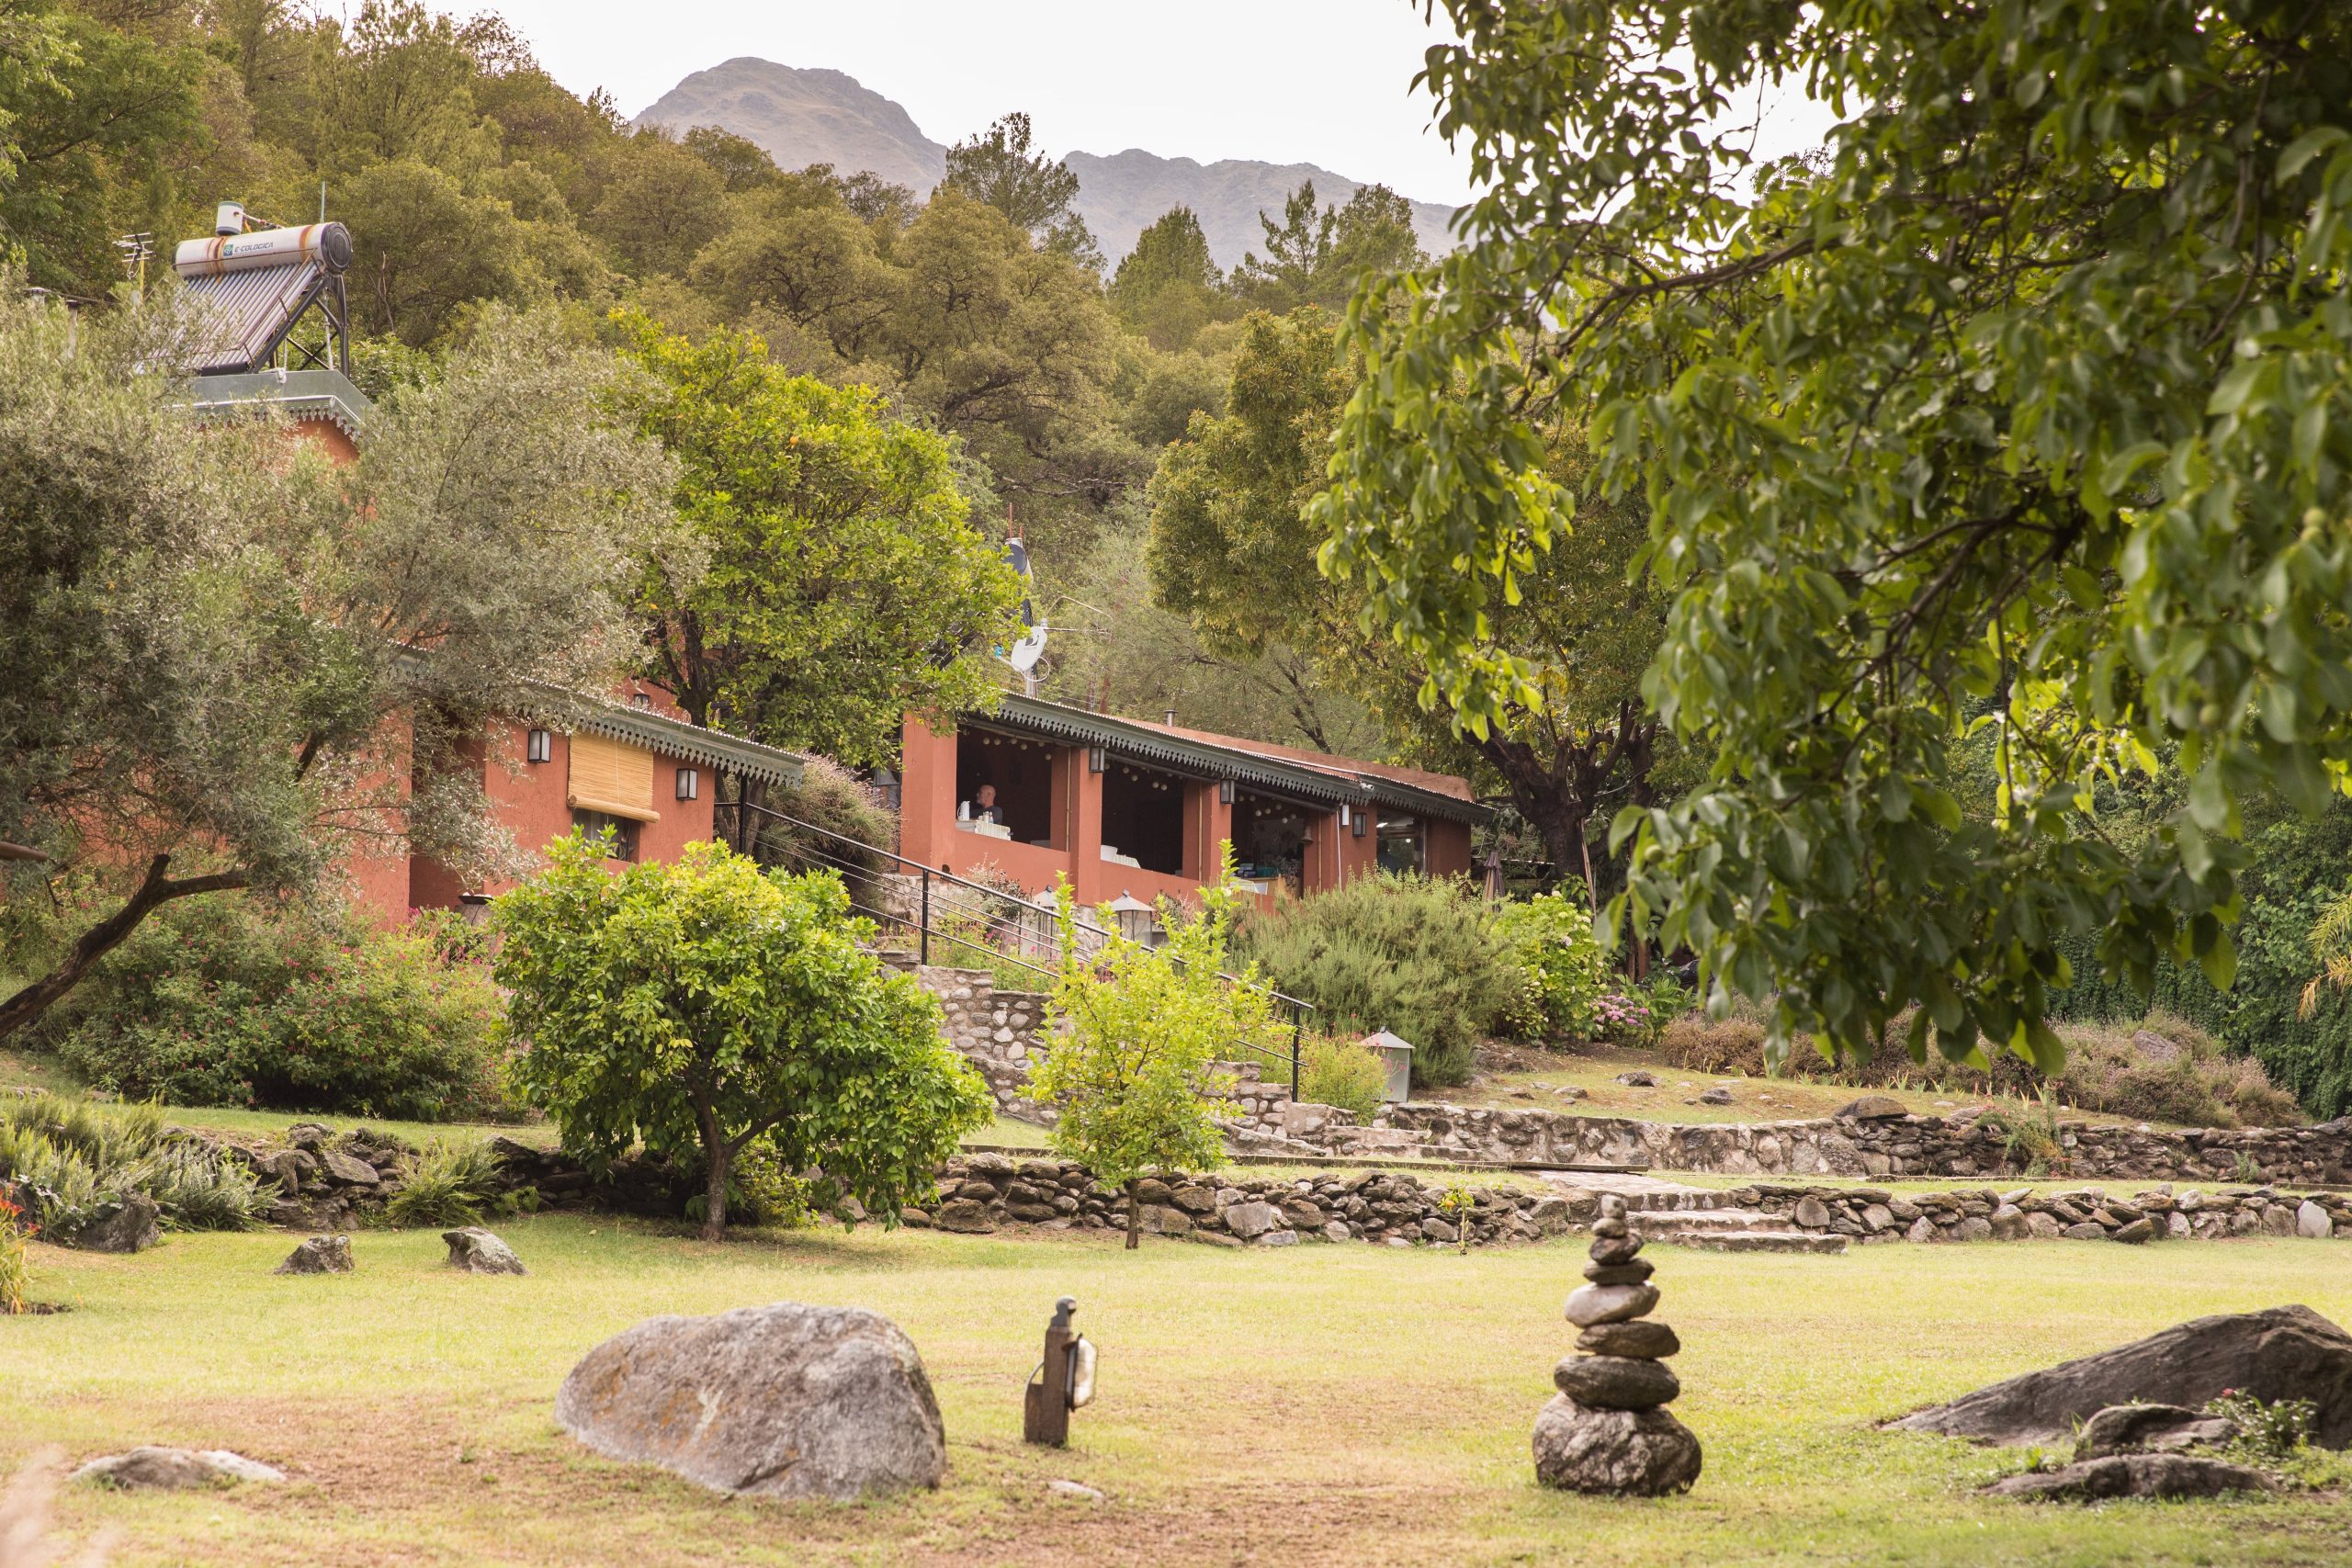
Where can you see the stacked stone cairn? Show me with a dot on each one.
(1607, 1429)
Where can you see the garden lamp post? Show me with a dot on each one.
(1063, 1382)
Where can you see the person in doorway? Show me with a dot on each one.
(982, 807)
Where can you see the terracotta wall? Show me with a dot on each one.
(1445, 847)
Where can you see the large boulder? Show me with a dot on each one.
(318, 1255)
(152, 1468)
(2136, 1476)
(783, 1401)
(131, 1225)
(2285, 1352)
(478, 1251)
(1624, 1453)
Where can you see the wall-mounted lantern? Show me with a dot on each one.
(689, 783)
(1225, 792)
(1361, 823)
(1063, 1382)
(1097, 760)
(539, 747)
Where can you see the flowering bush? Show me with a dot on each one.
(15, 1271)
(232, 1001)
(1564, 974)
(1624, 1018)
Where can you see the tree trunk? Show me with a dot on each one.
(713, 1213)
(718, 1157)
(1135, 1216)
(153, 890)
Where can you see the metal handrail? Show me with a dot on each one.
(1298, 1007)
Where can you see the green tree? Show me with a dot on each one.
(1133, 1070)
(700, 1008)
(1169, 287)
(739, 163)
(424, 248)
(89, 116)
(225, 662)
(1232, 551)
(661, 204)
(1036, 193)
(2018, 408)
(1319, 256)
(839, 580)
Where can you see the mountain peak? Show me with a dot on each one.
(804, 115)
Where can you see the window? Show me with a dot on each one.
(592, 823)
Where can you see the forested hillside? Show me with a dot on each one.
(467, 175)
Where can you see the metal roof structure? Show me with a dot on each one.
(1331, 782)
(298, 394)
(713, 749)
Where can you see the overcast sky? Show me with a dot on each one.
(1324, 82)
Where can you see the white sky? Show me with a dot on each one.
(1322, 82)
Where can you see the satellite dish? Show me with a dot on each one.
(1028, 650)
(1024, 654)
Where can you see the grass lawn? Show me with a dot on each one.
(1594, 1070)
(1340, 1405)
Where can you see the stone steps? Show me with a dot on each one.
(1762, 1241)
(1724, 1229)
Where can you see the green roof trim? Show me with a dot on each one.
(1202, 758)
(713, 749)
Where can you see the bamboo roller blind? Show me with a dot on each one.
(611, 777)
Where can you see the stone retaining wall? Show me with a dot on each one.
(1905, 1145)
(1004, 1033)
(2022, 1213)
(980, 1192)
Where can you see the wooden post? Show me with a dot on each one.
(1044, 1416)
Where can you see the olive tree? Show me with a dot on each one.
(702, 1007)
(226, 663)
(2020, 411)
(1137, 1034)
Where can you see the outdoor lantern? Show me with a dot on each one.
(1396, 1054)
(1360, 825)
(1347, 814)
(689, 783)
(1063, 1382)
(1136, 918)
(539, 747)
(1225, 792)
(1097, 760)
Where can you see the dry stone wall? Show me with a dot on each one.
(981, 1192)
(1907, 1145)
(2022, 1213)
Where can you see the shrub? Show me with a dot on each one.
(234, 1001)
(1563, 973)
(705, 1005)
(1334, 1071)
(2266, 1432)
(1140, 1029)
(831, 797)
(1698, 1043)
(1413, 956)
(67, 1161)
(1623, 1018)
(451, 1181)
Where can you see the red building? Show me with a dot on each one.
(1123, 806)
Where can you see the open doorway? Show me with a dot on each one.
(1143, 818)
(1270, 842)
(1018, 776)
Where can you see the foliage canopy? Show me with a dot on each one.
(2020, 408)
(703, 1008)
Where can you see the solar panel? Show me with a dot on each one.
(237, 318)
